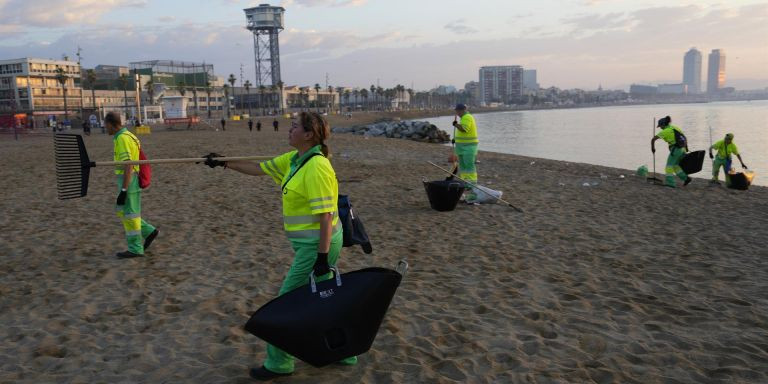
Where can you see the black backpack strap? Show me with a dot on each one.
(297, 169)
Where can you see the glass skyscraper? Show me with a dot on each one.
(692, 70)
(716, 71)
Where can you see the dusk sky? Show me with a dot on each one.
(419, 43)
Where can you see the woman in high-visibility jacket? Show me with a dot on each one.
(310, 219)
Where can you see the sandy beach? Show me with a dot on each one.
(616, 282)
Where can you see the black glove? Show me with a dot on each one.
(653, 149)
(209, 161)
(121, 198)
(744, 166)
(710, 156)
(321, 266)
(455, 123)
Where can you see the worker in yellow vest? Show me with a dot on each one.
(139, 234)
(725, 148)
(678, 146)
(465, 148)
(310, 193)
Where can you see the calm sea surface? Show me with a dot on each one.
(620, 136)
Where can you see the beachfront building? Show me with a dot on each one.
(692, 70)
(672, 89)
(501, 84)
(195, 81)
(472, 89)
(34, 86)
(716, 71)
(530, 84)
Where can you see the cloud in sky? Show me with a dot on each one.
(53, 13)
(581, 50)
(460, 27)
(323, 3)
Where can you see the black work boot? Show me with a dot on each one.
(128, 255)
(687, 181)
(148, 241)
(264, 374)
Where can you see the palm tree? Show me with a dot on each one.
(317, 97)
(150, 87)
(280, 95)
(90, 77)
(332, 99)
(379, 92)
(208, 90)
(124, 83)
(194, 95)
(62, 78)
(410, 97)
(232, 80)
(346, 99)
(262, 88)
(356, 94)
(373, 93)
(339, 91)
(364, 95)
(247, 87)
(225, 88)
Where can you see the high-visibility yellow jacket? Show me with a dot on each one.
(470, 136)
(311, 191)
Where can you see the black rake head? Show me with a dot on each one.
(72, 166)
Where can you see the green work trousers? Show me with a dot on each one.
(467, 154)
(716, 164)
(673, 166)
(136, 229)
(298, 275)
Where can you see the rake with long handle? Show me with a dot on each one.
(73, 165)
(654, 179)
(475, 185)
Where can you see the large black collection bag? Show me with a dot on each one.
(329, 321)
(354, 231)
(692, 162)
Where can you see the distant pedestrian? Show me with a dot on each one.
(258, 125)
(86, 128)
(250, 125)
(275, 124)
(223, 124)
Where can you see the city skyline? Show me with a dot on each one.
(571, 44)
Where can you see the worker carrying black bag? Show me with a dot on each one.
(354, 231)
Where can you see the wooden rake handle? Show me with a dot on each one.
(180, 160)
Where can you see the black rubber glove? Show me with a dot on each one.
(321, 266)
(209, 161)
(121, 198)
(653, 149)
(710, 156)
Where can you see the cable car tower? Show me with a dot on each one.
(265, 22)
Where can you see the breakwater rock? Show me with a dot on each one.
(412, 130)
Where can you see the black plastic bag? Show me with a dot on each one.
(354, 231)
(331, 320)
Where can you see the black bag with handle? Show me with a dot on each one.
(354, 231)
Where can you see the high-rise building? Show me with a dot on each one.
(692, 70)
(501, 84)
(716, 71)
(529, 80)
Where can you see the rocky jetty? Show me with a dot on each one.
(413, 130)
